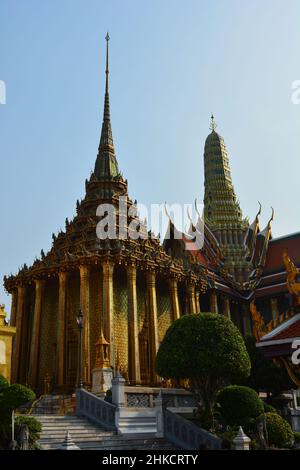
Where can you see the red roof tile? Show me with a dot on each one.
(293, 331)
(274, 261)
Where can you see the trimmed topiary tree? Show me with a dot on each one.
(280, 433)
(239, 405)
(16, 395)
(12, 397)
(206, 348)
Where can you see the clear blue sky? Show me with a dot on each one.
(172, 64)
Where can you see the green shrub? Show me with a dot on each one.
(239, 405)
(206, 348)
(17, 395)
(3, 382)
(34, 427)
(279, 431)
(229, 435)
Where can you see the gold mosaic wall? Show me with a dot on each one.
(164, 309)
(96, 309)
(48, 331)
(72, 309)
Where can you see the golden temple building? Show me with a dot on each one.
(6, 340)
(131, 290)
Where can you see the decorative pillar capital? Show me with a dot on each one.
(151, 279)
(21, 290)
(190, 287)
(39, 284)
(131, 272)
(173, 284)
(84, 270)
(62, 276)
(108, 268)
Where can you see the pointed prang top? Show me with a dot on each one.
(213, 124)
(106, 166)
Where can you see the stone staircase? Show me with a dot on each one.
(54, 405)
(89, 436)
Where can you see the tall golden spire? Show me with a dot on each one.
(106, 166)
(106, 115)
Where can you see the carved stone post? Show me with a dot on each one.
(227, 308)
(133, 330)
(241, 441)
(154, 340)
(85, 307)
(118, 391)
(191, 298)
(61, 329)
(213, 302)
(14, 307)
(35, 337)
(158, 402)
(108, 307)
(174, 298)
(17, 342)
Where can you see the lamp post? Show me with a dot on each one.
(80, 328)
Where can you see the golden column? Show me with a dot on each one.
(191, 298)
(197, 301)
(17, 342)
(173, 286)
(213, 302)
(61, 329)
(227, 308)
(35, 337)
(108, 308)
(154, 340)
(85, 307)
(14, 307)
(133, 329)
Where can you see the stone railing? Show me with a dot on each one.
(186, 435)
(144, 397)
(96, 409)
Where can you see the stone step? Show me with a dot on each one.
(87, 435)
(117, 444)
(61, 417)
(61, 428)
(97, 438)
(61, 420)
(78, 435)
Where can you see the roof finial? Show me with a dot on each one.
(213, 124)
(107, 67)
(106, 164)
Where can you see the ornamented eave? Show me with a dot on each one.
(161, 264)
